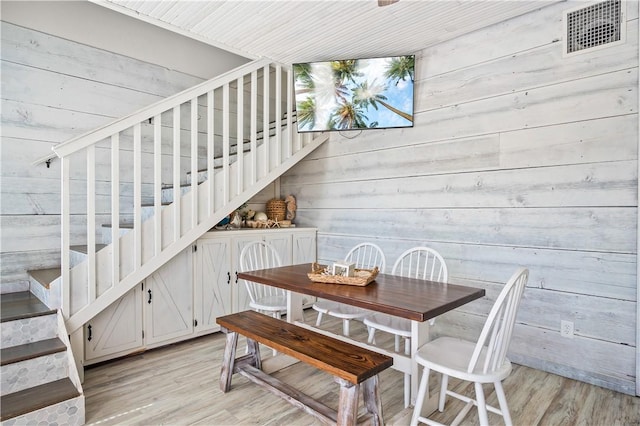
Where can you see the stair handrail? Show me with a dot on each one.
(94, 136)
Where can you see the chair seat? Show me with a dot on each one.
(390, 324)
(451, 356)
(270, 303)
(340, 310)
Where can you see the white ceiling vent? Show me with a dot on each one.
(596, 26)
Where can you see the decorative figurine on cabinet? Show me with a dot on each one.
(290, 201)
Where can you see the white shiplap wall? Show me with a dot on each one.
(518, 156)
(52, 90)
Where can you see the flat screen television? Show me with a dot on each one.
(374, 93)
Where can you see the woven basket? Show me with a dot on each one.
(276, 209)
(362, 277)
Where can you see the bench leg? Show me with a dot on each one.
(348, 403)
(372, 400)
(226, 372)
(254, 352)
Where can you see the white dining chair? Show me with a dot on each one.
(263, 298)
(484, 361)
(365, 256)
(418, 262)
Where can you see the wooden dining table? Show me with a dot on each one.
(415, 299)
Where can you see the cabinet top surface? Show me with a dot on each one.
(243, 231)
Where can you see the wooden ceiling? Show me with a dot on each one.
(307, 30)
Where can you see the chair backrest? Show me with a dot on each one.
(421, 262)
(259, 255)
(366, 256)
(495, 337)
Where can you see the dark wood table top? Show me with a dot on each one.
(410, 298)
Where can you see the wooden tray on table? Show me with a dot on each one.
(362, 277)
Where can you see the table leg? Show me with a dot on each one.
(294, 307)
(419, 336)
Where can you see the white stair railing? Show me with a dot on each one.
(236, 119)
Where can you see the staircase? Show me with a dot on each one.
(230, 137)
(137, 192)
(40, 383)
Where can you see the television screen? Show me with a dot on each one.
(354, 94)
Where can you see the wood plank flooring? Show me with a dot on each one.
(178, 385)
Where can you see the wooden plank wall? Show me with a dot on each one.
(518, 156)
(52, 90)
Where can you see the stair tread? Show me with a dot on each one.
(20, 305)
(31, 350)
(164, 203)
(32, 399)
(121, 226)
(83, 249)
(182, 185)
(46, 276)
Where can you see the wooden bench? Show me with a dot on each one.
(350, 365)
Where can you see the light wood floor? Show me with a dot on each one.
(178, 385)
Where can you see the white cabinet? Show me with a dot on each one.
(168, 301)
(164, 300)
(281, 240)
(117, 330)
(184, 298)
(217, 272)
(212, 282)
(304, 248)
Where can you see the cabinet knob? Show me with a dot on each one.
(90, 333)
(149, 301)
(236, 277)
(228, 277)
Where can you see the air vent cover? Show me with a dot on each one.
(599, 25)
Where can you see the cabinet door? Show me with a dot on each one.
(168, 300)
(213, 283)
(240, 295)
(281, 241)
(304, 247)
(304, 251)
(115, 331)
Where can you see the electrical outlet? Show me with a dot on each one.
(566, 329)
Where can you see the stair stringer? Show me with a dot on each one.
(83, 310)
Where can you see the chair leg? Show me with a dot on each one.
(319, 319)
(345, 327)
(407, 390)
(422, 395)
(502, 400)
(407, 377)
(276, 315)
(443, 392)
(482, 405)
(372, 336)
